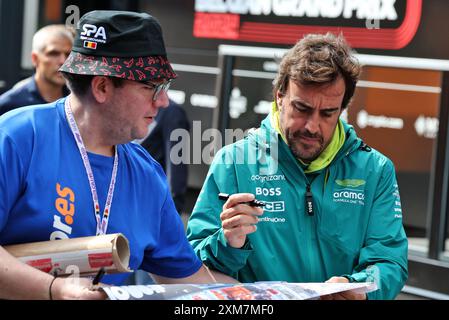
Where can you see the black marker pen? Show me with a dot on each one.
(98, 277)
(253, 203)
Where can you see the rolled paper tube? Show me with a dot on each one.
(84, 255)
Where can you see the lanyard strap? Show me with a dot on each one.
(102, 223)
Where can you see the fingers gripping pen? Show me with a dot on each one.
(253, 203)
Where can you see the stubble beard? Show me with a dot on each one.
(302, 152)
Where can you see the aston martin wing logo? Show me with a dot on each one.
(353, 183)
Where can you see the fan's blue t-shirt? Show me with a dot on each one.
(45, 193)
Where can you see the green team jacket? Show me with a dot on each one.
(355, 231)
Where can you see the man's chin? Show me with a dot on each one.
(306, 156)
(59, 82)
(58, 79)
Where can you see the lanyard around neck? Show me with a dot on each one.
(102, 223)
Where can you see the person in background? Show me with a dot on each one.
(51, 47)
(159, 145)
(333, 211)
(68, 169)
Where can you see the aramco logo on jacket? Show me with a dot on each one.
(349, 193)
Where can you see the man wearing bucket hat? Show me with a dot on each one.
(67, 169)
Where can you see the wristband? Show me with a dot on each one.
(49, 288)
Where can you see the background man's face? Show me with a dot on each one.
(309, 115)
(48, 62)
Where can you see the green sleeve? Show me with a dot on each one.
(204, 227)
(383, 259)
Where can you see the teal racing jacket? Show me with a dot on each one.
(354, 230)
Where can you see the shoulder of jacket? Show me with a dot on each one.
(364, 151)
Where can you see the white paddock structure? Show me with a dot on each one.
(364, 59)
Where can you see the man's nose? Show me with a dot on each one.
(161, 100)
(61, 58)
(313, 123)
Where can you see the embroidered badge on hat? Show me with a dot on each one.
(121, 44)
(92, 35)
(90, 45)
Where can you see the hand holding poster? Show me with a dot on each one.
(88, 254)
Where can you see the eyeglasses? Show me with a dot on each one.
(158, 87)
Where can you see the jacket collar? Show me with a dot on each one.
(270, 136)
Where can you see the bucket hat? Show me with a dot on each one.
(120, 44)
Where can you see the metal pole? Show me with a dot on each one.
(223, 90)
(437, 221)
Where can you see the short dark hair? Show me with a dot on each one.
(80, 84)
(319, 59)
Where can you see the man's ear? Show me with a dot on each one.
(34, 59)
(279, 97)
(101, 88)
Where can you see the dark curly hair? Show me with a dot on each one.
(319, 59)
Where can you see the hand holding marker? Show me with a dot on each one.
(253, 203)
(239, 217)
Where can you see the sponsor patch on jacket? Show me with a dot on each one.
(265, 178)
(351, 183)
(397, 202)
(274, 206)
(349, 196)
